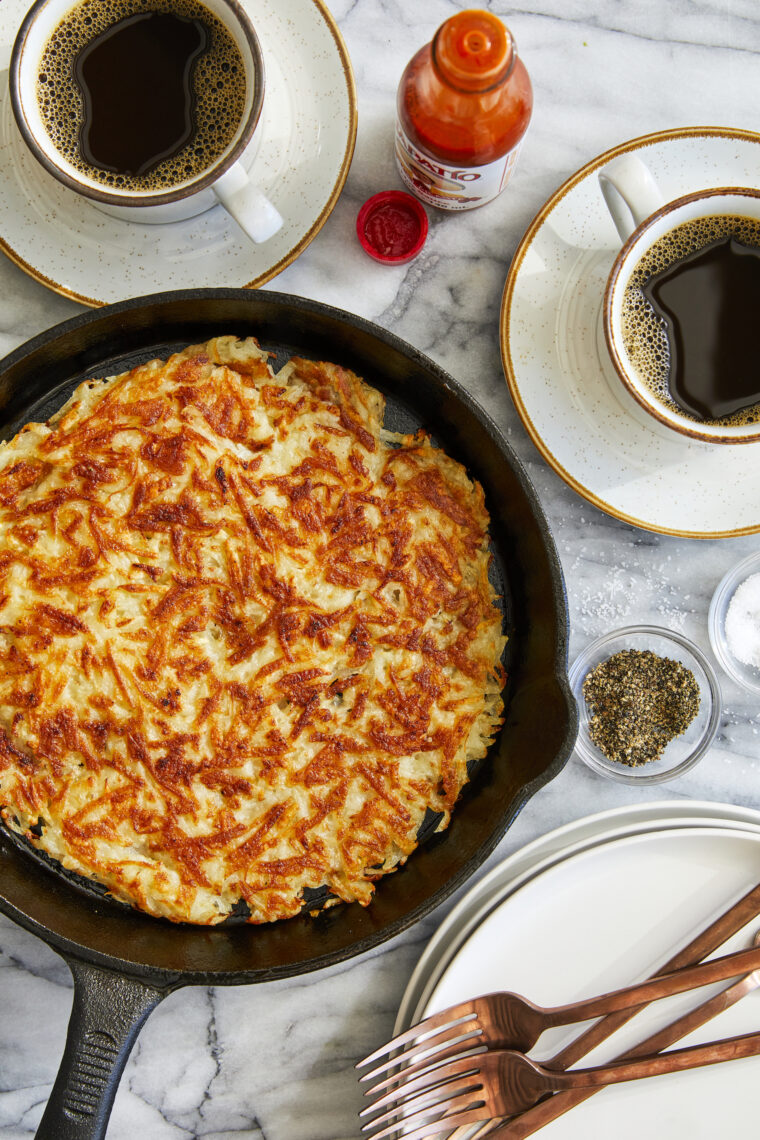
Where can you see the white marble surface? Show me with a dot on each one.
(276, 1061)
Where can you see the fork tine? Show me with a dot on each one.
(486, 1127)
(462, 1097)
(458, 1121)
(423, 1029)
(436, 1074)
(453, 1045)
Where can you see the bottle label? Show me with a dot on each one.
(451, 187)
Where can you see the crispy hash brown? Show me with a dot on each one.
(247, 636)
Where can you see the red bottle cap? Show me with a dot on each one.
(392, 227)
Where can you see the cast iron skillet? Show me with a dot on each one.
(125, 962)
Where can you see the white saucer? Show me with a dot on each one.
(304, 147)
(612, 915)
(534, 858)
(558, 373)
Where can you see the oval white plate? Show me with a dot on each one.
(522, 865)
(557, 372)
(303, 152)
(612, 915)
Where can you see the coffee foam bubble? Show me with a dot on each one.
(218, 80)
(644, 332)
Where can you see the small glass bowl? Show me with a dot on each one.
(684, 751)
(746, 675)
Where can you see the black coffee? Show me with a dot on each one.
(688, 319)
(141, 94)
(122, 131)
(710, 302)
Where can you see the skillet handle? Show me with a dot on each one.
(108, 1013)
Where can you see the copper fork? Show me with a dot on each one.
(525, 1124)
(509, 1021)
(502, 1082)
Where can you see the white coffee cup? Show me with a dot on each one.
(225, 182)
(642, 217)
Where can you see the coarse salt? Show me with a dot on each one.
(743, 622)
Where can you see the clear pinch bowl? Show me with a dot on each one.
(684, 751)
(746, 675)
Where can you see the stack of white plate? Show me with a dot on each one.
(598, 904)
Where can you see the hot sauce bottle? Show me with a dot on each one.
(464, 104)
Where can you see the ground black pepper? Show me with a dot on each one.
(639, 702)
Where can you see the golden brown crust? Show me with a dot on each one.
(247, 638)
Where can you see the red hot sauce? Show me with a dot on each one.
(464, 104)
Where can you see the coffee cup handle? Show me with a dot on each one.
(630, 193)
(249, 207)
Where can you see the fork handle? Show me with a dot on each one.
(675, 1061)
(716, 970)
